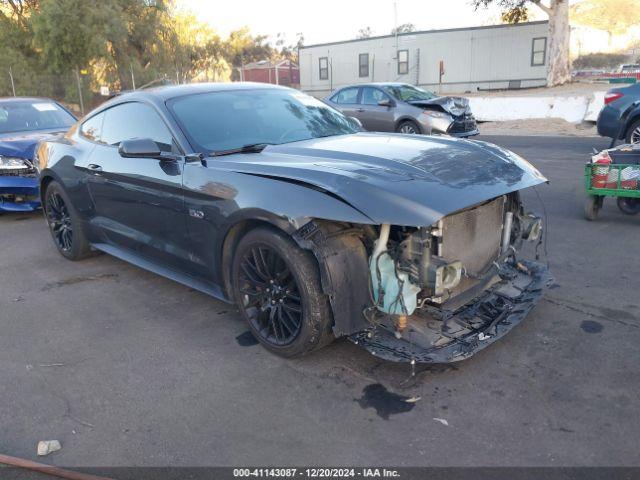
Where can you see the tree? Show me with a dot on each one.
(404, 28)
(364, 32)
(289, 52)
(559, 69)
(612, 16)
(241, 48)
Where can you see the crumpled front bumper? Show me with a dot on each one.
(486, 320)
(16, 186)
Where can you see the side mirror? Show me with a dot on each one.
(385, 103)
(139, 148)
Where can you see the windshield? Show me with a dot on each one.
(409, 93)
(28, 116)
(224, 120)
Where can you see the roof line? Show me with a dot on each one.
(421, 32)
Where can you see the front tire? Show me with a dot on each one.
(276, 286)
(408, 128)
(64, 223)
(633, 133)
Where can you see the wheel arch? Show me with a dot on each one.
(633, 118)
(341, 259)
(234, 233)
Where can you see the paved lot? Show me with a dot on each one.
(127, 368)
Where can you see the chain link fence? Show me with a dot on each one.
(76, 89)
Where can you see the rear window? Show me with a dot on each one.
(28, 116)
(348, 95)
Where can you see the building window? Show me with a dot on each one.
(363, 63)
(403, 62)
(538, 51)
(324, 68)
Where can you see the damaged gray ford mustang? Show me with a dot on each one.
(407, 245)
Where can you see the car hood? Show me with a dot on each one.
(456, 106)
(23, 145)
(410, 180)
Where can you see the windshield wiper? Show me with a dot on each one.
(250, 148)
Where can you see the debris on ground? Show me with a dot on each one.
(45, 447)
(442, 421)
(413, 399)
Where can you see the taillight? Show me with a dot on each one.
(612, 97)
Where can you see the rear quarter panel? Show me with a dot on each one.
(57, 160)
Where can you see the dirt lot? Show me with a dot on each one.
(128, 368)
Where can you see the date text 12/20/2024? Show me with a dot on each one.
(316, 472)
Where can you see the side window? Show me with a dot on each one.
(348, 95)
(363, 65)
(538, 51)
(371, 96)
(92, 128)
(135, 120)
(323, 65)
(403, 62)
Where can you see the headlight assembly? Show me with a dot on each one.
(13, 163)
(434, 114)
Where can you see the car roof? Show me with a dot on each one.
(25, 99)
(376, 84)
(171, 91)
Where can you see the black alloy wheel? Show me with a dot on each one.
(270, 295)
(66, 229)
(59, 221)
(276, 286)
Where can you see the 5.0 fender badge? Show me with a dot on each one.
(196, 213)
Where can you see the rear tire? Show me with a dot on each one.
(64, 223)
(408, 127)
(276, 286)
(633, 133)
(592, 206)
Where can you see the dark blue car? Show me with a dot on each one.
(23, 123)
(620, 117)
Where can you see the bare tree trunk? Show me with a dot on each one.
(559, 68)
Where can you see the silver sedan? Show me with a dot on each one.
(403, 108)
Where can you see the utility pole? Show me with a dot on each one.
(13, 87)
(133, 79)
(395, 27)
(79, 90)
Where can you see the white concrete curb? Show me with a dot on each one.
(574, 109)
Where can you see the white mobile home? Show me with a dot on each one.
(454, 60)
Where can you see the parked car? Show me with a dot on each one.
(620, 117)
(267, 197)
(403, 108)
(629, 68)
(23, 123)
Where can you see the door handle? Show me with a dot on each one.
(360, 110)
(92, 167)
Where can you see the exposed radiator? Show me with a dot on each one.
(473, 236)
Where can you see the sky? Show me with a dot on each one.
(323, 21)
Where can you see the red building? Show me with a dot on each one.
(283, 72)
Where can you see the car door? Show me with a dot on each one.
(138, 202)
(346, 100)
(375, 117)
